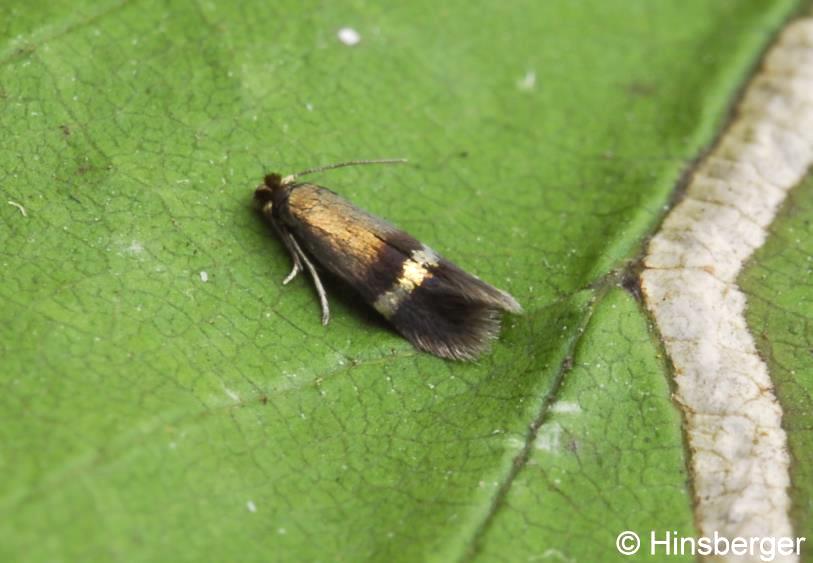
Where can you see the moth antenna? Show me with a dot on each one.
(350, 163)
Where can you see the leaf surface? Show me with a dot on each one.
(166, 398)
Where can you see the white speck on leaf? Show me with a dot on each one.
(135, 247)
(527, 82)
(20, 207)
(549, 437)
(566, 407)
(204, 277)
(515, 443)
(251, 506)
(349, 36)
(555, 555)
(232, 394)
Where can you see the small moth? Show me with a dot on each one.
(438, 307)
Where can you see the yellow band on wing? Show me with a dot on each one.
(413, 273)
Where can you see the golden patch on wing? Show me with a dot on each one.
(412, 275)
(349, 231)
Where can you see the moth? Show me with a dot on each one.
(437, 306)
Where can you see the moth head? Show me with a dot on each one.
(270, 191)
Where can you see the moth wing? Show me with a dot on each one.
(433, 303)
(347, 241)
(453, 314)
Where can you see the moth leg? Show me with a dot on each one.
(294, 271)
(297, 267)
(320, 290)
(287, 239)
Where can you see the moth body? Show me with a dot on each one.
(434, 304)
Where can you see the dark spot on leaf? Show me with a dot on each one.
(641, 89)
(567, 363)
(25, 50)
(65, 130)
(632, 284)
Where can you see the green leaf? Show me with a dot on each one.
(780, 314)
(154, 412)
